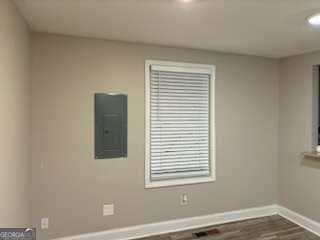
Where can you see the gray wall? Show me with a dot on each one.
(70, 186)
(299, 177)
(15, 118)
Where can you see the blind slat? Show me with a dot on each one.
(185, 170)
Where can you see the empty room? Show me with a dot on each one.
(160, 119)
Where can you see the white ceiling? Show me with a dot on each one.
(272, 28)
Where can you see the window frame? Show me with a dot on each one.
(315, 107)
(212, 135)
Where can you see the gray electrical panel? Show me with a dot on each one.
(110, 126)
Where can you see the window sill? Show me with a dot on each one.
(177, 182)
(311, 155)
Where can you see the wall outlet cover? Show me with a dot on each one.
(108, 209)
(184, 199)
(44, 223)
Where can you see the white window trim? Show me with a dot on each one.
(180, 67)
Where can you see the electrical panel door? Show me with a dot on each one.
(110, 126)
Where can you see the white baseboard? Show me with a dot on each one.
(300, 220)
(197, 222)
(176, 225)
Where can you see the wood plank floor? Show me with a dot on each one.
(265, 228)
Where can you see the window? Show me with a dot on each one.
(180, 136)
(316, 108)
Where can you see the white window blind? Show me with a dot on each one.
(179, 118)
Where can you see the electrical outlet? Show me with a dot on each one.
(108, 209)
(184, 199)
(44, 223)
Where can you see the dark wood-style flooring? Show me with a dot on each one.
(265, 228)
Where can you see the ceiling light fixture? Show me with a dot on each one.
(314, 19)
